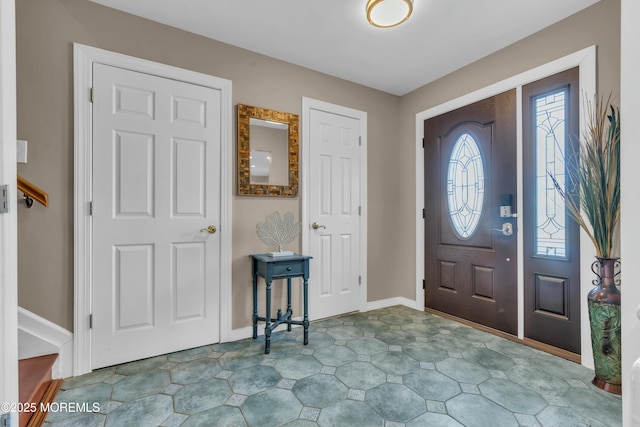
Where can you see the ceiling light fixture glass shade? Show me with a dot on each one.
(388, 13)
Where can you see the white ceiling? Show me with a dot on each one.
(334, 37)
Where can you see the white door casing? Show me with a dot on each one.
(334, 159)
(84, 60)
(156, 184)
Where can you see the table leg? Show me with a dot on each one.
(289, 302)
(255, 306)
(267, 327)
(305, 320)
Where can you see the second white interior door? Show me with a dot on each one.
(334, 208)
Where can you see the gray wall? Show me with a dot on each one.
(45, 33)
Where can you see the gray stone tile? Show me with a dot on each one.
(254, 380)
(240, 359)
(361, 375)
(222, 416)
(595, 404)
(141, 366)
(425, 352)
(298, 367)
(271, 408)
(539, 381)
(309, 414)
(198, 397)
(395, 319)
(344, 333)
(395, 363)
(430, 420)
(553, 416)
(512, 396)
(319, 391)
(97, 376)
(349, 413)
(174, 420)
(79, 420)
(401, 338)
(432, 385)
(474, 410)
(195, 371)
(89, 394)
(335, 355)
(463, 371)
(395, 402)
(148, 411)
(488, 359)
(371, 326)
(367, 345)
(453, 370)
(473, 335)
(190, 354)
(420, 329)
(140, 385)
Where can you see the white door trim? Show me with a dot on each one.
(309, 104)
(84, 57)
(8, 221)
(586, 60)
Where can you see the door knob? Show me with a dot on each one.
(507, 229)
(315, 226)
(210, 229)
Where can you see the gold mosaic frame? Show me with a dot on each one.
(245, 188)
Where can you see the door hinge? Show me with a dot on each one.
(424, 213)
(91, 208)
(422, 142)
(424, 284)
(360, 210)
(360, 141)
(91, 321)
(5, 420)
(92, 95)
(359, 280)
(4, 199)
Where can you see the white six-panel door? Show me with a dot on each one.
(334, 204)
(156, 185)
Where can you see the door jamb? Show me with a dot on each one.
(586, 60)
(84, 58)
(309, 104)
(8, 221)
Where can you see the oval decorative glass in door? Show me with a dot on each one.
(465, 186)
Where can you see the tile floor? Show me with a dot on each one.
(389, 367)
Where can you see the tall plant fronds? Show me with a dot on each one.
(597, 176)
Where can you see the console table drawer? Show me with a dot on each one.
(288, 269)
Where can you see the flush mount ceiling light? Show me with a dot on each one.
(388, 13)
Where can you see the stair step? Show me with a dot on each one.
(35, 382)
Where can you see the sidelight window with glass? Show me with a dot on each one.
(550, 114)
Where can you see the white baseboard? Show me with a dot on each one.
(390, 302)
(38, 336)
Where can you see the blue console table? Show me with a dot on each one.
(286, 267)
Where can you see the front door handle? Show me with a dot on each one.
(506, 230)
(315, 226)
(210, 229)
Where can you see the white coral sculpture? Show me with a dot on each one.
(276, 231)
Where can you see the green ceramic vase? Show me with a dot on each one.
(604, 317)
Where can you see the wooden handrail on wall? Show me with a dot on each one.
(33, 192)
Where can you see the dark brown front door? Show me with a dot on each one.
(470, 170)
(551, 237)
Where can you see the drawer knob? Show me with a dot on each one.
(288, 268)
